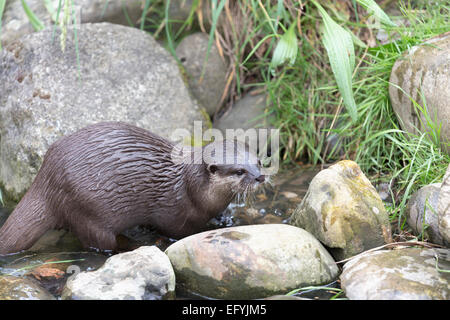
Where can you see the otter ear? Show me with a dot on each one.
(212, 168)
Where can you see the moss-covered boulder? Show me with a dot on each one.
(344, 211)
(249, 262)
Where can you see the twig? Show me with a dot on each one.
(394, 244)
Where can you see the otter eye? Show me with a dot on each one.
(240, 172)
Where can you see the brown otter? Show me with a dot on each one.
(108, 177)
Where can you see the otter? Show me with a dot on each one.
(111, 176)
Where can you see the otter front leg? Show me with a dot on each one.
(93, 236)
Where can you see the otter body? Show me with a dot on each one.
(108, 177)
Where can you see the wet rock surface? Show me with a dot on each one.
(247, 262)
(404, 274)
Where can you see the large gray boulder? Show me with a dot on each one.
(16, 24)
(125, 76)
(248, 262)
(424, 69)
(142, 274)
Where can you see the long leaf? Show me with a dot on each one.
(49, 6)
(35, 22)
(379, 14)
(341, 53)
(286, 49)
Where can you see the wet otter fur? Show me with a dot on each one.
(108, 177)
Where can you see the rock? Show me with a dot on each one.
(248, 262)
(406, 274)
(344, 211)
(17, 288)
(424, 68)
(192, 53)
(125, 76)
(142, 274)
(422, 212)
(16, 24)
(444, 208)
(249, 112)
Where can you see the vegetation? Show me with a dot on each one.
(320, 120)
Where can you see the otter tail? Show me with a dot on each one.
(26, 224)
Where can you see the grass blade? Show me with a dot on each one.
(170, 42)
(147, 4)
(35, 22)
(216, 10)
(58, 11)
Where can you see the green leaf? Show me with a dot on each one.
(379, 14)
(286, 49)
(49, 6)
(341, 53)
(35, 22)
(2, 7)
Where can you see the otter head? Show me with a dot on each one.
(233, 169)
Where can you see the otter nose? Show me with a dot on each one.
(261, 178)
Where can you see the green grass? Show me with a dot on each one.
(376, 141)
(309, 107)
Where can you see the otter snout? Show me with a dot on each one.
(261, 178)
